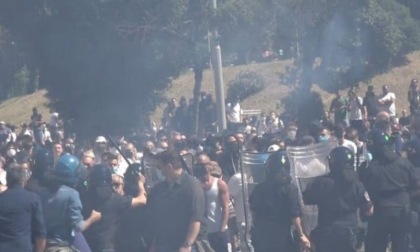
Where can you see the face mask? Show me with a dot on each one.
(323, 139)
(11, 153)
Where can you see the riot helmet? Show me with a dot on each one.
(413, 152)
(341, 163)
(100, 175)
(66, 170)
(42, 163)
(100, 183)
(278, 168)
(378, 142)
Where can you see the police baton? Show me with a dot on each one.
(111, 140)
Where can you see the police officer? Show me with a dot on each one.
(413, 154)
(275, 207)
(388, 179)
(63, 215)
(42, 166)
(338, 196)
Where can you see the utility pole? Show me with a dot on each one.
(218, 77)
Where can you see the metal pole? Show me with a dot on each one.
(218, 78)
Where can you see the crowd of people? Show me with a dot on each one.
(59, 194)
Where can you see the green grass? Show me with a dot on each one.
(18, 109)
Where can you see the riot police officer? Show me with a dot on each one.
(388, 179)
(41, 167)
(338, 196)
(413, 154)
(275, 207)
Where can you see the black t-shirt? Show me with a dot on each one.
(274, 207)
(172, 208)
(101, 235)
(337, 204)
(369, 101)
(133, 234)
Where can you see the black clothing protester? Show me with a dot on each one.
(274, 207)
(101, 235)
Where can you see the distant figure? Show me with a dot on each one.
(387, 101)
(413, 96)
(370, 105)
(340, 106)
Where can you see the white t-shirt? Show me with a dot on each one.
(350, 145)
(235, 190)
(390, 109)
(234, 113)
(355, 111)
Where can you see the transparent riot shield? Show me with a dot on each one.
(151, 172)
(307, 163)
(252, 173)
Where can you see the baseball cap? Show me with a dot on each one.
(100, 139)
(273, 148)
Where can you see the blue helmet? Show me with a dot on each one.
(66, 169)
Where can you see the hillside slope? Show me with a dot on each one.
(17, 110)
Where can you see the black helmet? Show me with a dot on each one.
(379, 138)
(341, 157)
(413, 152)
(100, 176)
(278, 167)
(378, 141)
(42, 162)
(341, 162)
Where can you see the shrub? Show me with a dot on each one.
(245, 84)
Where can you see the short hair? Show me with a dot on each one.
(16, 175)
(170, 157)
(112, 156)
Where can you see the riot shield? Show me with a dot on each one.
(307, 163)
(252, 173)
(151, 172)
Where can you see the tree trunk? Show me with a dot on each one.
(198, 79)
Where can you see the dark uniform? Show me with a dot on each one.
(338, 195)
(388, 179)
(413, 153)
(274, 204)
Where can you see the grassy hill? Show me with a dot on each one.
(18, 109)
